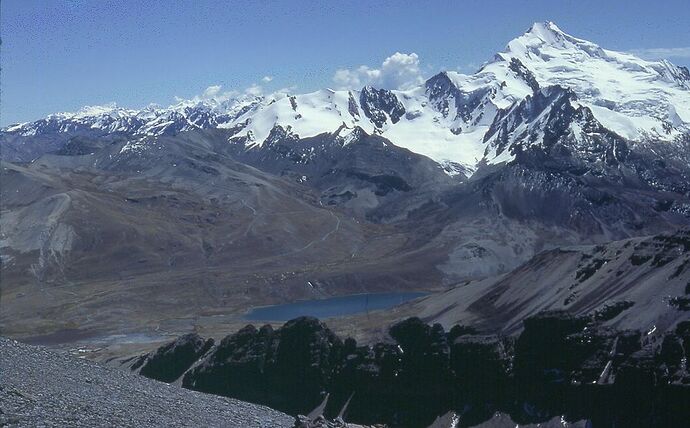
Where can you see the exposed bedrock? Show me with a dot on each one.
(171, 361)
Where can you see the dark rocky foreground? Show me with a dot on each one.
(560, 365)
(39, 387)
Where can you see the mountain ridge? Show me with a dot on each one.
(446, 118)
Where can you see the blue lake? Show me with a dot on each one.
(331, 307)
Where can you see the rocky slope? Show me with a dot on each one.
(51, 389)
(639, 283)
(137, 233)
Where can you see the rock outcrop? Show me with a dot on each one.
(266, 365)
(170, 361)
(561, 364)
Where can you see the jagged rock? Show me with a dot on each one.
(170, 361)
(265, 365)
(380, 104)
(542, 350)
(559, 364)
(481, 364)
(371, 373)
(658, 363)
(425, 371)
(306, 355)
(524, 73)
(236, 366)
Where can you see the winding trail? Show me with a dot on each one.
(251, 223)
(256, 215)
(249, 206)
(335, 229)
(324, 237)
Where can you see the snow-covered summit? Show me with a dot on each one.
(449, 117)
(638, 99)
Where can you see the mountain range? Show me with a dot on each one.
(221, 204)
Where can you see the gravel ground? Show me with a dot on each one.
(44, 388)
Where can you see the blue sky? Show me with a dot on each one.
(59, 55)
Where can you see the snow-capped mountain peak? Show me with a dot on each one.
(541, 33)
(548, 34)
(638, 99)
(110, 109)
(450, 118)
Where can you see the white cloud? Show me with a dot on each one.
(267, 79)
(213, 92)
(216, 93)
(255, 90)
(398, 71)
(662, 53)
